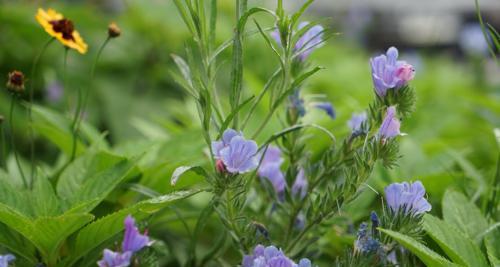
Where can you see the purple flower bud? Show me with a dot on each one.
(270, 169)
(310, 40)
(115, 259)
(390, 126)
(356, 121)
(300, 221)
(240, 156)
(133, 241)
(327, 107)
(6, 259)
(407, 197)
(271, 257)
(389, 73)
(300, 185)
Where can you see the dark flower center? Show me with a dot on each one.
(64, 26)
(16, 78)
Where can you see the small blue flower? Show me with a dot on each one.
(115, 259)
(327, 107)
(312, 39)
(356, 122)
(389, 73)
(365, 243)
(270, 169)
(390, 126)
(271, 257)
(133, 240)
(407, 197)
(300, 185)
(217, 146)
(6, 259)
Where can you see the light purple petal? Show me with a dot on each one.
(390, 126)
(240, 155)
(300, 185)
(133, 241)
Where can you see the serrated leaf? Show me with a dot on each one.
(12, 196)
(101, 230)
(425, 254)
(456, 245)
(464, 215)
(44, 201)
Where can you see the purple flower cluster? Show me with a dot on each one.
(133, 241)
(390, 73)
(6, 259)
(270, 168)
(310, 40)
(234, 153)
(407, 197)
(390, 125)
(271, 257)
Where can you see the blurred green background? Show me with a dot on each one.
(450, 141)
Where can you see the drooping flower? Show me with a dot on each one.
(6, 259)
(312, 39)
(15, 82)
(356, 121)
(271, 257)
(133, 240)
(300, 185)
(326, 107)
(389, 73)
(115, 259)
(270, 168)
(408, 197)
(61, 28)
(390, 125)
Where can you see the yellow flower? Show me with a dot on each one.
(61, 28)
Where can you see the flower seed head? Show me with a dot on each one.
(113, 30)
(15, 83)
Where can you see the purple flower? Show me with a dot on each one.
(365, 243)
(6, 259)
(270, 169)
(310, 40)
(236, 153)
(407, 197)
(390, 126)
(271, 257)
(115, 259)
(217, 146)
(327, 107)
(300, 185)
(356, 121)
(240, 156)
(133, 241)
(300, 221)
(388, 72)
(54, 92)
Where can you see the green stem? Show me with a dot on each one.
(4, 157)
(13, 146)
(483, 28)
(30, 105)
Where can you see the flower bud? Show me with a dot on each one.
(15, 84)
(113, 30)
(220, 167)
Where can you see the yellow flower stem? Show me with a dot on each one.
(30, 105)
(12, 143)
(82, 105)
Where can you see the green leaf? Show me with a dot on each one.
(183, 169)
(17, 244)
(464, 215)
(230, 117)
(13, 197)
(84, 167)
(456, 245)
(492, 244)
(44, 201)
(101, 230)
(425, 254)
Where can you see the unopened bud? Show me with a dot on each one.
(15, 84)
(219, 165)
(113, 30)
